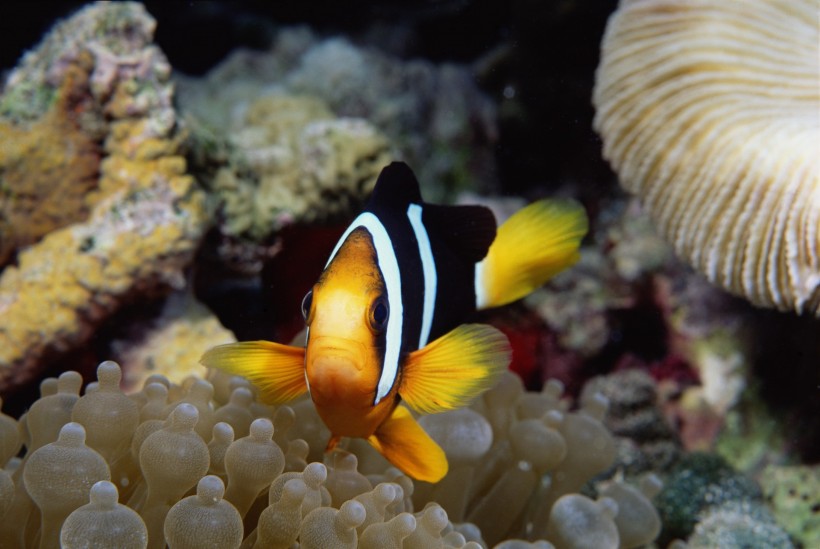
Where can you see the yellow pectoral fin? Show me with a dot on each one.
(278, 371)
(531, 247)
(454, 369)
(407, 446)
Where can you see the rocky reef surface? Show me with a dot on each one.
(146, 215)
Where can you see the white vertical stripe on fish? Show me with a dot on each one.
(480, 290)
(428, 266)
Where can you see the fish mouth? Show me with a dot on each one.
(336, 372)
(336, 352)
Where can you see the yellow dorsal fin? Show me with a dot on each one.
(454, 369)
(278, 371)
(532, 246)
(407, 446)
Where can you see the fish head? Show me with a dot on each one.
(346, 314)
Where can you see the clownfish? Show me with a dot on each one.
(385, 318)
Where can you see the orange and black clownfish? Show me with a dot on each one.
(384, 319)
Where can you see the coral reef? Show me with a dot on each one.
(703, 496)
(292, 161)
(256, 480)
(434, 116)
(106, 191)
(47, 168)
(625, 253)
(646, 440)
(169, 342)
(793, 492)
(740, 204)
(145, 216)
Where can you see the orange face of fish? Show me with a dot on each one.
(346, 314)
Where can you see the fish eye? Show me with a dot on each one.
(307, 301)
(379, 313)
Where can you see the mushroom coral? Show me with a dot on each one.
(710, 112)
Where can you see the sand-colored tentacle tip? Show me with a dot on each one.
(252, 462)
(156, 402)
(534, 441)
(237, 411)
(200, 393)
(173, 458)
(344, 481)
(221, 438)
(577, 521)
(328, 527)
(47, 416)
(390, 534)
(375, 503)
(637, 521)
(283, 421)
(296, 455)
(278, 525)
(103, 522)
(314, 476)
(109, 416)
(464, 434)
(58, 477)
(430, 522)
(710, 112)
(204, 520)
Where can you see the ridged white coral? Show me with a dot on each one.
(710, 111)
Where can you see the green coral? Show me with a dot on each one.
(794, 494)
(26, 101)
(696, 483)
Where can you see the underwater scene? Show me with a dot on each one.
(433, 274)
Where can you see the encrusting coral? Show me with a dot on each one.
(794, 494)
(705, 496)
(144, 215)
(258, 489)
(710, 112)
(434, 115)
(291, 160)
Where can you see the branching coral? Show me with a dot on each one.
(710, 112)
(518, 460)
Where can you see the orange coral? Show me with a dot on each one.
(46, 169)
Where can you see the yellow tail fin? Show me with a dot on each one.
(407, 446)
(532, 246)
(278, 371)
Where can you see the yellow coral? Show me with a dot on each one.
(145, 216)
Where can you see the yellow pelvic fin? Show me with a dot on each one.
(531, 247)
(454, 369)
(407, 446)
(278, 371)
